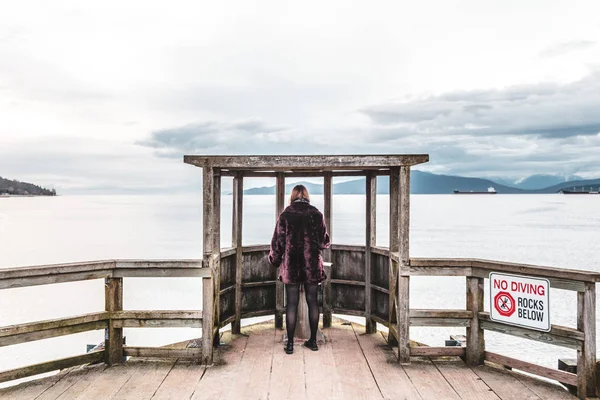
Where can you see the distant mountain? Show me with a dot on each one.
(535, 182)
(13, 187)
(428, 183)
(313, 188)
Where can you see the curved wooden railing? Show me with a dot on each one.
(246, 286)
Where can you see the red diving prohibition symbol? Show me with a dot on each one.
(504, 303)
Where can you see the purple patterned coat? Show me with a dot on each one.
(300, 235)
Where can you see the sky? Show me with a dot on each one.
(107, 96)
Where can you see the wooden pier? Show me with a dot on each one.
(367, 280)
(351, 365)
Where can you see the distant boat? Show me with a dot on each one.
(490, 190)
(582, 191)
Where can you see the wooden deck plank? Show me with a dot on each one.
(546, 390)
(227, 359)
(356, 379)
(180, 382)
(31, 389)
(288, 377)
(69, 379)
(102, 385)
(430, 382)
(504, 384)
(321, 374)
(464, 381)
(254, 369)
(145, 380)
(390, 376)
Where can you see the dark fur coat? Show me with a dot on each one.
(300, 236)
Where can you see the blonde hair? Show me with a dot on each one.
(299, 192)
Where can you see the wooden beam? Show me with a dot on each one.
(426, 351)
(31, 370)
(279, 288)
(307, 174)
(561, 376)
(403, 280)
(305, 162)
(327, 207)
(440, 313)
(157, 319)
(586, 356)
(162, 352)
(113, 296)
(394, 244)
(370, 241)
(464, 322)
(236, 240)
(208, 321)
(216, 251)
(475, 336)
(23, 333)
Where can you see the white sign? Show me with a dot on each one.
(520, 301)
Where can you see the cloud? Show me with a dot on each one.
(563, 48)
(544, 110)
(242, 136)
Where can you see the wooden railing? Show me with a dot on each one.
(113, 319)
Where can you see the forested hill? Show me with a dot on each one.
(11, 187)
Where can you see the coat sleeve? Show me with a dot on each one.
(325, 241)
(277, 243)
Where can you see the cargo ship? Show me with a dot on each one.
(582, 191)
(490, 190)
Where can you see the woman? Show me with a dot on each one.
(300, 235)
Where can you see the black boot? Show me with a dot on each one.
(289, 348)
(311, 344)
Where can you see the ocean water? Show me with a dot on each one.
(553, 230)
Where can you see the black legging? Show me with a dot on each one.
(291, 309)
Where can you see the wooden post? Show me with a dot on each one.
(113, 341)
(403, 307)
(302, 326)
(236, 240)
(211, 259)
(586, 356)
(327, 199)
(475, 339)
(394, 248)
(279, 292)
(370, 232)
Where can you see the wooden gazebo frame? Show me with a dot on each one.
(241, 285)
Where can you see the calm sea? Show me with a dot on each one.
(555, 230)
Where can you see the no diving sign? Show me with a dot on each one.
(520, 300)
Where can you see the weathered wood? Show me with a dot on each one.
(105, 385)
(145, 380)
(162, 273)
(437, 271)
(306, 162)
(345, 311)
(181, 381)
(303, 174)
(504, 383)
(327, 253)
(256, 313)
(348, 247)
(14, 334)
(69, 378)
(394, 244)
(466, 322)
(50, 366)
(558, 335)
(437, 351)
(227, 289)
(380, 320)
(254, 284)
(379, 289)
(586, 356)
(346, 282)
(237, 243)
(113, 341)
(256, 248)
(370, 241)
(163, 352)
(48, 279)
(475, 335)
(156, 319)
(536, 270)
(357, 381)
(208, 321)
(437, 313)
(392, 381)
(383, 251)
(545, 372)
(321, 375)
(279, 287)
(464, 381)
(429, 381)
(288, 379)
(216, 250)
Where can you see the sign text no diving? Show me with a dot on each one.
(520, 300)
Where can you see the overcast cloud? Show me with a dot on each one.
(108, 96)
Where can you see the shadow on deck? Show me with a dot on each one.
(351, 365)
